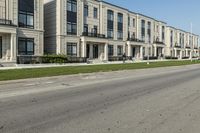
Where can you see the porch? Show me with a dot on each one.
(7, 44)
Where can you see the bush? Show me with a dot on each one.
(54, 59)
(170, 57)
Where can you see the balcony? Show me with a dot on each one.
(159, 42)
(135, 40)
(5, 22)
(188, 47)
(177, 46)
(88, 34)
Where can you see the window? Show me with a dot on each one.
(26, 13)
(120, 26)
(110, 24)
(143, 30)
(133, 22)
(86, 29)
(95, 12)
(86, 10)
(110, 15)
(26, 46)
(171, 38)
(119, 50)
(71, 49)
(1, 47)
(95, 30)
(129, 21)
(71, 17)
(163, 33)
(110, 50)
(149, 31)
(72, 6)
(71, 28)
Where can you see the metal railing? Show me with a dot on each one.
(5, 22)
(89, 34)
(134, 40)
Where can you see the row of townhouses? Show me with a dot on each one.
(90, 29)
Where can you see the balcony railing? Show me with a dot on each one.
(135, 40)
(159, 42)
(88, 34)
(177, 46)
(188, 47)
(5, 22)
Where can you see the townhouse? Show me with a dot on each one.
(181, 44)
(21, 29)
(98, 30)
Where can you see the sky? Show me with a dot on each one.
(176, 13)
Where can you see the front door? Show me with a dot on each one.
(133, 52)
(0, 47)
(95, 51)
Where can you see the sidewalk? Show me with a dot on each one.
(26, 66)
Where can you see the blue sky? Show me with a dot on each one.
(177, 13)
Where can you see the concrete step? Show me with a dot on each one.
(7, 64)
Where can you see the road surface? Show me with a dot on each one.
(161, 100)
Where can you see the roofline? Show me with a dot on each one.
(182, 30)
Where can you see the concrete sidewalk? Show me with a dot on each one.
(26, 66)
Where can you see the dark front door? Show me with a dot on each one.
(0, 47)
(88, 51)
(133, 52)
(95, 51)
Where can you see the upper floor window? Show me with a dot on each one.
(71, 28)
(95, 12)
(129, 21)
(133, 22)
(149, 31)
(26, 13)
(120, 26)
(143, 30)
(86, 10)
(72, 5)
(171, 38)
(163, 33)
(110, 15)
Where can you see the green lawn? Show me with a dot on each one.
(56, 71)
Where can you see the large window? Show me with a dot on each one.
(72, 6)
(71, 28)
(72, 49)
(0, 47)
(163, 33)
(110, 24)
(149, 31)
(71, 17)
(26, 46)
(110, 50)
(119, 50)
(26, 13)
(143, 30)
(171, 38)
(95, 12)
(86, 10)
(133, 22)
(120, 26)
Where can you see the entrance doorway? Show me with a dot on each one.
(133, 52)
(1, 47)
(88, 51)
(95, 51)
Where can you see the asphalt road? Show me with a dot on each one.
(161, 100)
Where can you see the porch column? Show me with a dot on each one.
(83, 49)
(106, 52)
(141, 52)
(175, 52)
(181, 54)
(186, 54)
(129, 50)
(13, 47)
(91, 51)
(155, 51)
